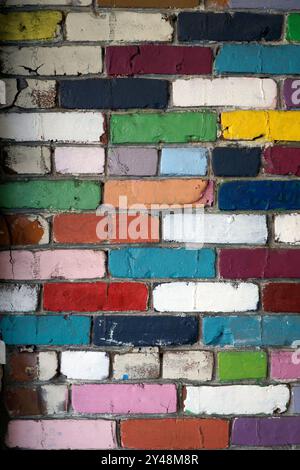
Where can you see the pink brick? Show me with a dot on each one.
(79, 160)
(62, 434)
(67, 264)
(285, 365)
(124, 399)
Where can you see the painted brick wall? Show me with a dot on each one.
(120, 339)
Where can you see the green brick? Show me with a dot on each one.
(293, 27)
(29, 25)
(163, 127)
(45, 194)
(239, 365)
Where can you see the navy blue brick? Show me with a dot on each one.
(235, 161)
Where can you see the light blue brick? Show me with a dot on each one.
(183, 161)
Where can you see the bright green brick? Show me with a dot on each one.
(239, 365)
(293, 27)
(45, 194)
(163, 127)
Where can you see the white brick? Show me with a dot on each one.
(287, 228)
(85, 365)
(11, 91)
(138, 364)
(63, 60)
(37, 94)
(189, 365)
(205, 297)
(55, 398)
(2, 92)
(18, 298)
(79, 160)
(237, 399)
(232, 92)
(47, 365)
(25, 160)
(215, 228)
(120, 26)
(67, 127)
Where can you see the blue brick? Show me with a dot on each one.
(148, 263)
(47, 330)
(280, 330)
(255, 58)
(237, 331)
(259, 195)
(145, 330)
(183, 161)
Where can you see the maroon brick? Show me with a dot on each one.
(23, 366)
(259, 263)
(282, 160)
(281, 297)
(151, 59)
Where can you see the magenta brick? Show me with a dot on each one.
(124, 398)
(282, 160)
(291, 93)
(151, 59)
(261, 263)
(54, 434)
(285, 365)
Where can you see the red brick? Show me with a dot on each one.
(281, 297)
(282, 161)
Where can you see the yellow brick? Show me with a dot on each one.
(261, 125)
(28, 26)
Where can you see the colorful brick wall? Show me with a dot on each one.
(166, 329)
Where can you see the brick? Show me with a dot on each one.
(55, 195)
(282, 161)
(242, 26)
(259, 263)
(47, 2)
(85, 365)
(257, 4)
(149, 3)
(44, 400)
(145, 331)
(264, 125)
(205, 297)
(116, 93)
(215, 228)
(62, 434)
(188, 365)
(149, 263)
(238, 92)
(10, 91)
(295, 400)
(47, 365)
(124, 399)
(293, 27)
(18, 298)
(255, 331)
(256, 58)
(27, 366)
(158, 59)
(26, 160)
(279, 431)
(66, 127)
(168, 127)
(142, 193)
(284, 365)
(281, 297)
(91, 228)
(55, 399)
(36, 94)
(259, 195)
(236, 161)
(242, 365)
(79, 160)
(23, 230)
(52, 330)
(139, 363)
(291, 94)
(175, 433)
(63, 264)
(183, 161)
(91, 297)
(2, 92)
(287, 228)
(62, 60)
(30, 26)
(132, 161)
(236, 399)
(122, 26)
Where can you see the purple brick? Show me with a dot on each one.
(266, 432)
(295, 402)
(291, 93)
(132, 161)
(265, 4)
